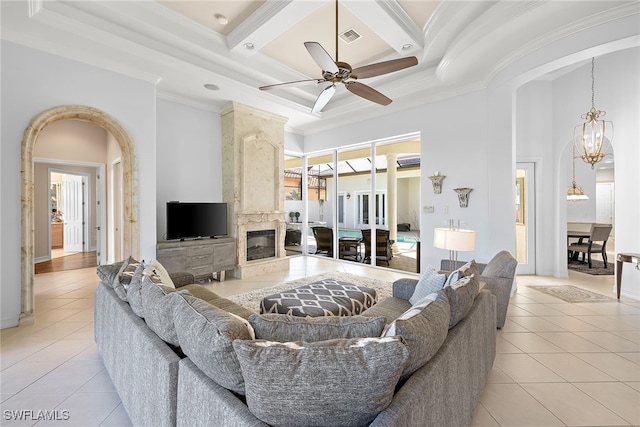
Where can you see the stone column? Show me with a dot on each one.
(392, 198)
(253, 182)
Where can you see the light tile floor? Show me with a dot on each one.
(557, 364)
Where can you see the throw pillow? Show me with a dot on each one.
(159, 274)
(157, 304)
(327, 383)
(468, 269)
(424, 328)
(206, 333)
(430, 281)
(134, 290)
(118, 286)
(283, 327)
(108, 272)
(130, 268)
(461, 296)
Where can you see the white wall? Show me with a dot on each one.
(454, 138)
(188, 157)
(32, 82)
(617, 89)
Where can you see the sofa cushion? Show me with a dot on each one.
(430, 281)
(284, 328)
(206, 333)
(461, 296)
(424, 328)
(336, 382)
(157, 304)
(389, 308)
(108, 272)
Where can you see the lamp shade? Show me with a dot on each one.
(454, 240)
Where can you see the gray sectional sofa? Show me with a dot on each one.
(159, 385)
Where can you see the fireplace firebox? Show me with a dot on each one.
(261, 244)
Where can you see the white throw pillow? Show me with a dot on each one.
(155, 268)
(430, 282)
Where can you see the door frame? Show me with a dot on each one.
(530, 167)
(89, 204)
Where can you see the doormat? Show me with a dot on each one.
(597, 268)
(570, 293)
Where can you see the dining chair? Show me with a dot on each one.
(597, 243)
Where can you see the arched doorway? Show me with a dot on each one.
(580, 215)
(130, 208)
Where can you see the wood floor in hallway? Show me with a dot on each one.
(67, 262)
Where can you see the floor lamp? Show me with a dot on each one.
(454, 239)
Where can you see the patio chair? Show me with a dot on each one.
(324, 240)
(598, 233)
(383, 246)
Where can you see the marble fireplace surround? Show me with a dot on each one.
(253, 182)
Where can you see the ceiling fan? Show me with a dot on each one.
(334, 72)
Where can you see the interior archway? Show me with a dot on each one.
(130, 208)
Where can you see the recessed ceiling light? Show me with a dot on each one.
(221, 19)
(407, 46)
(249, 46)
(211, 86)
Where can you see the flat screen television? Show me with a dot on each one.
(193, 220)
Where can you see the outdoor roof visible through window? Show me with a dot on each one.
(362, 165)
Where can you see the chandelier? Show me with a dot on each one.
(575, 193)
(595, 135)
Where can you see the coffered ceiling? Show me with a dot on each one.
(237, 46)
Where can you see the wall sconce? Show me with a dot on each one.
(463, 196)
(348, 196)
(436, 180)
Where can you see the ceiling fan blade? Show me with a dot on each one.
(384, 67)
(367, 92)
(289, 84)
(322, 58)
(323, 98)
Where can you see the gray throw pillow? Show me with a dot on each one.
(430, 281)
(157, 304)
(206, 333)
(461, 296)
(134, 291)
(108, 272)
(126, 275)
(327, 383)
(284, 328)
(118, 286)
(424, 328)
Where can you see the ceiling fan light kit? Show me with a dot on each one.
(341, 72)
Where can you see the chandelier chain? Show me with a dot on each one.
(593, 84)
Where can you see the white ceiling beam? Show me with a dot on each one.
(390, 22)
(272, 19)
